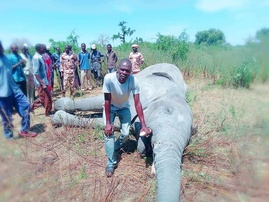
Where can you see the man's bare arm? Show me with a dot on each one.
(22, 61)
(108, 126)
(140, 114)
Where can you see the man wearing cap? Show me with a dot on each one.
(96, 60)
(136, 58)
(28, 71)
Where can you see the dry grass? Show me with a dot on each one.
(225, 161)
(222, 162)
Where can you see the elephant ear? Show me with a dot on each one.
(163, 74)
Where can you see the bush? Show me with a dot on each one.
(245, 73)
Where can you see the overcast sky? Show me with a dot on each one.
(39, 21)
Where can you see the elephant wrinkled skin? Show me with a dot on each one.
(166, 112)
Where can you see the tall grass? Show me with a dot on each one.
(226, 65)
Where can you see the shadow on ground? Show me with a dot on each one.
(38, 128)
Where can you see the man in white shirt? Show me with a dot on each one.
(117, 88)
(28, 71)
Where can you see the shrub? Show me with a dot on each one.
(245, 73)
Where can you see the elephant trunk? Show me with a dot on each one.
(167, 161)
(171, 124)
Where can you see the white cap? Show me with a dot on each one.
(93, 46)
(25, 45)
(135, 46)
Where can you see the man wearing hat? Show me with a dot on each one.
(96, 61)
(136, 58)
(28, 71)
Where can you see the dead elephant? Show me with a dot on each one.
(166, 112)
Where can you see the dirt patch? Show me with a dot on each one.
(227, 160)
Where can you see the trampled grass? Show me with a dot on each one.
(227, 160)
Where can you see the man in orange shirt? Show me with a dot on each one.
(136, 58)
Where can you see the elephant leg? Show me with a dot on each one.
(144, 147)
(63, 118)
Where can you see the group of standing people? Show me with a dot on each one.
(22, 74)
(90, 65)
(12, 93)
(18, 72)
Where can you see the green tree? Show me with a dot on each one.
(262, 34)
(124, 32)
(210, 37)
(60, 44)
(72, 40)
(165, 42)
(178, 47)
(138, 40)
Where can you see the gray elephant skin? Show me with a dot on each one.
(166, 112)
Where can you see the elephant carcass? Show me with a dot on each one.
(166, 111)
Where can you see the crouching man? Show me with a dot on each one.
(117, 88)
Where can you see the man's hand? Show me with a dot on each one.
(43, 86)
(109, 129)
(23, 61)
(145, 131)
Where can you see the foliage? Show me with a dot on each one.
(262, 34)
(222, 63)
(244, 73)
(72, 40)
(259, 46)
(125, 47)
(210, 37)
(183, 46)
(60, 44)
(164, 42)
(177, 47)
(124, 32)
(138, 40)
